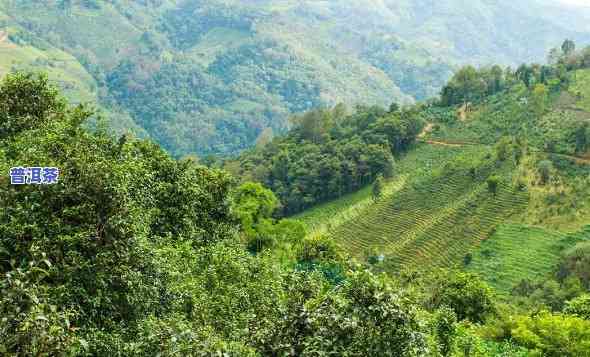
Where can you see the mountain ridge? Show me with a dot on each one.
(218, 73)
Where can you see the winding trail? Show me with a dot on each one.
(453, 143)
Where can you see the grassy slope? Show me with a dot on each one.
(505, 114)
(63, 68)
(436, 221)
(517, 251)
(429, 216)
(414, 164)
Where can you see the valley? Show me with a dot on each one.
(210, 76)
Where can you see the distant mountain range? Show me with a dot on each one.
(209, 76)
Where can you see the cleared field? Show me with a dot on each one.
(517, 252)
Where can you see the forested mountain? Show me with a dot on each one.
(471, 241)
(211, 76)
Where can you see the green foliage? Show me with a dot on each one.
(27, 102)
(289, 230)
(328, 154)
(377, 188)
(469, 297)
(539, 97)
(253, 204)
(545, 168)
(548, 294)
(553, 335)
(579, 307)
(493, 182)
(471, 85)
(95, 227)
(445, 329)
(504, 149)
(576, 263)
(365, 317)
(318, 249)
(30, 323)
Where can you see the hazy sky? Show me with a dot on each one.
(574, 2)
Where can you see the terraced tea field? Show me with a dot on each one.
(410, 169)
(516, 252)
(436, 210)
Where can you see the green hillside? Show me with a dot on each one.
(210, 76)
(453, 227)
(439, 209)
(515, 252)
(439, 214)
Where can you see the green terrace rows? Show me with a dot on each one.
(436, 219)
(517, 252)
(416, 165)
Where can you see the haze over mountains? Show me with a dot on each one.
(211, 76)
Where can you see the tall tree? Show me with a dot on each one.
(378, 188)
(568, 47)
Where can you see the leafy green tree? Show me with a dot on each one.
(99, 277)
(445, 329)
(253, 204)
(519, 150)
(553, 335)
(366, 316)
(503, 148)
(377, 188)
(465, 293)
(525, 74)
(467, 85)
(31, 323)
(394, 107)
(318, 249)
(27, 101)
(540, 94)
(576, 263)
(493, 182)
(568, 47)
(579, 306)
(388, 165)
(545, 167)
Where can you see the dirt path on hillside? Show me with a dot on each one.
(427, 129)
(4, 40)
(442, 143)
(576, 159)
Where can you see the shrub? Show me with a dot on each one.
(579, 306)
(493, 183)
(465, 293)
(553, 335)
(445, 329)
(545, 167)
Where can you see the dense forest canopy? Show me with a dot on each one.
(214, 76)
